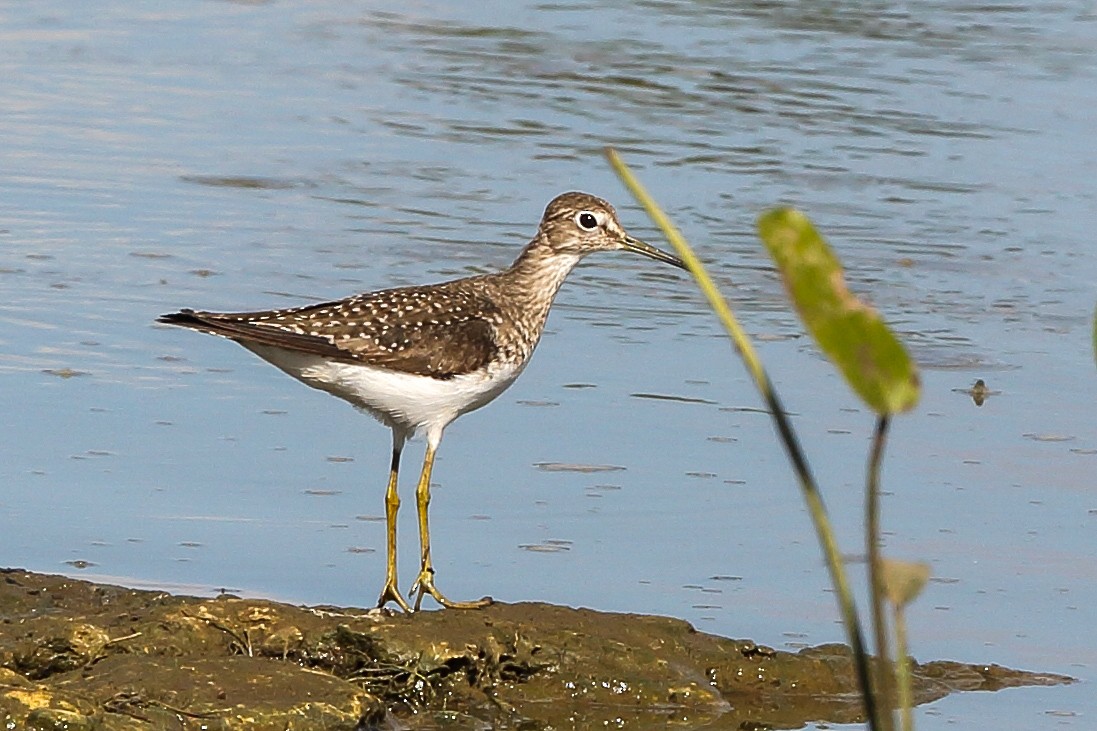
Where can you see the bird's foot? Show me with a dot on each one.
(425, 585)
(391, 594)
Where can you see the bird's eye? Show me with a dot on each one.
(587, 221)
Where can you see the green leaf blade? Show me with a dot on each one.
(851, 333)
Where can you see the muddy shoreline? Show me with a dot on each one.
(78, 655)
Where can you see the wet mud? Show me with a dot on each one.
(76, 655)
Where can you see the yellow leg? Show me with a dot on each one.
(425, 583)
(391, 590)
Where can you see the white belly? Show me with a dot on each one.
(403, 401)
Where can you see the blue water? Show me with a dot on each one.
(239, 155)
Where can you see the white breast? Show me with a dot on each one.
(400, 400)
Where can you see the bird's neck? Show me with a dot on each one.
(536, 276)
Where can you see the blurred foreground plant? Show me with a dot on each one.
(879, 370)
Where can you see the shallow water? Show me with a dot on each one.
(240, 155)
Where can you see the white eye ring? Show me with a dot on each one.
(588, 220)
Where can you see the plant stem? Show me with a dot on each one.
(884, 668)
(902, 671)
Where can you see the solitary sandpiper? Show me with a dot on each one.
(416, 358)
